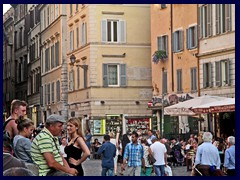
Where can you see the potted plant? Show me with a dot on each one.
(159, 55)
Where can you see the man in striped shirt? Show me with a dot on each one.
(45, 150)
(133, 155)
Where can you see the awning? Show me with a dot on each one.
(185, 108)
(225, 105)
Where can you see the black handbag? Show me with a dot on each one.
(151, 159)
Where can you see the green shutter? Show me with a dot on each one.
(105, 75)
(123, 77)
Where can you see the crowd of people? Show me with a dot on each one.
(49, 152)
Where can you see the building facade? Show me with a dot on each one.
(110, 77)
(8, 61)
(174, 72)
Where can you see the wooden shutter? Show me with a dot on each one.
(181, 40)
(166, 44)
(105, 75)
(41, 95)
(58, 91)
(159, 43)
(123, 76)
(210, 74)
(85, 77)
(228, 74)
(78, 77)
(218, 73)
(188, 38)
(57, 53)
(179, 80)
(52, 57)
(53, 92)
(104, 30)
(174, 43)
(204, 75)
(195, 36)
(209, 20)
(200, 20)
(164, 82)
(218, 25)
(77, 34)
(228, 17)
(122, 31)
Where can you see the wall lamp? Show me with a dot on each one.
(73, 61)
(137, 102)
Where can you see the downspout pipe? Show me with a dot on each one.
(172, 60)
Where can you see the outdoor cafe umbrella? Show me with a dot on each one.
(185, 108)
(225, 105)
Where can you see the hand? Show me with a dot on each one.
(73, 161)
(73, 171)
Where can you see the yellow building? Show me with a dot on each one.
(110, 73)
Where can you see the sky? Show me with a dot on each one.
(6, 7)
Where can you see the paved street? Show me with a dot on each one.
(93, 168)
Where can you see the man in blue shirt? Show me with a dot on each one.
(133, 155)
(109, 152)
(229, 159)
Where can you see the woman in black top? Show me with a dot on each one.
(76, 146)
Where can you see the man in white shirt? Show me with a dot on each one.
(159, 151)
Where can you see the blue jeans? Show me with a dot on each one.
(107, 171)
(159, 170)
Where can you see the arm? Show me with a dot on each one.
(13, 126)
(52, 163)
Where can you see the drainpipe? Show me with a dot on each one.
(198, 73)
(172, 70)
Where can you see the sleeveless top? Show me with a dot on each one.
(75, 153)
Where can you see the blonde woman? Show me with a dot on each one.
(76, 146)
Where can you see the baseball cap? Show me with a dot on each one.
(55, 118)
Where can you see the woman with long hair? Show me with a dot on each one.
(22, 142)
(76, 146)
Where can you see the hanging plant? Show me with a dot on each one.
(159, 55)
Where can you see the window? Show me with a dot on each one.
(113, 31)
(178, 41)
(163, 6)
(38, 79)
(58, 90)
(85, 77)
(47, 55)
(207, 75)
(192, 37)
(114, 75)
(48, 15)
(56, 11)
(193, 79)
(52, 12)
(53, 92)
(163, 43)
(223, 18)
(71, 40)
(71, 80)
(179, 80)
(71, 9)
(48, 94)
(205, 21)
(84, 33)
(222, 72)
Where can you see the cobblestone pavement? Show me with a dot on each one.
(93, 168)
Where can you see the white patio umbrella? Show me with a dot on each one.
(225, 105)
(184, 108)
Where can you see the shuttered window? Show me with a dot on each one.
(163, 43)
(207, 75)
(71, 40)
(114, 75)
(77, 34)
(48, 93)
(178, 41)
(205, 18)
(193, 79)
(223, 18)
(179, 80)
(78, 77)
(222, 72)
(71, 80)
(192, 40)
(113, 31)
(85, 78)
(47, 60)
(164, 82)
